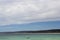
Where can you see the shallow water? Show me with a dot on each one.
(30, 37)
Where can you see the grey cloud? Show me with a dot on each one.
(27, 11)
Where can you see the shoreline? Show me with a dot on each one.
(35, 33)
(31, 34)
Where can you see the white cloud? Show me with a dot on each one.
(27, 11)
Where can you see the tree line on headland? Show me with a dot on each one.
(38, 31)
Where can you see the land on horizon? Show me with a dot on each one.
(37, 31)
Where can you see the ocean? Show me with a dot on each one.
(30, 37)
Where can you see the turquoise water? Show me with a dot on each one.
(30, 37)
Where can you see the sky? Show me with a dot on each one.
(21, 15)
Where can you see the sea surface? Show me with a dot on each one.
(30, 37)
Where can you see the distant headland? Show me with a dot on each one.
(38, 31)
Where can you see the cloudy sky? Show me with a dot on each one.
(18, 15)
